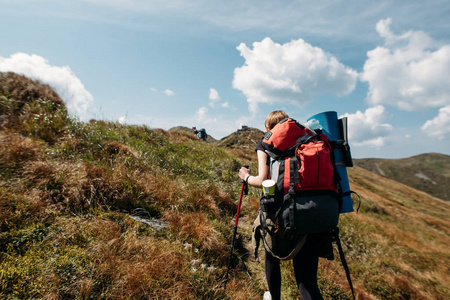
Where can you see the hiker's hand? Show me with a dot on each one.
(244, 172)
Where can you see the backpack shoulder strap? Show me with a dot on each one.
(291, 177)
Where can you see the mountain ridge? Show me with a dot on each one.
(428, 172)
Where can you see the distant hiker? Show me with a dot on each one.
(305, 261)
(201, 134)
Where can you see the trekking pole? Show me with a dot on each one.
(244, 189)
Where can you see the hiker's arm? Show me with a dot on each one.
(263, 170)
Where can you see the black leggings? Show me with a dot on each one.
(305, 269)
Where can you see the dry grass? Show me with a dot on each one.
(135, 265)
(113, 148)
(177, 136)
(98, 258)
(21, 88)
(21, 105)
(196, 228)
(239, 289)
(15, 150)
(408, 249)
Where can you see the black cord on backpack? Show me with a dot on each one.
(335, 235)
(349, 193)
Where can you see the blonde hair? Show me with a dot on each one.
(274, 118)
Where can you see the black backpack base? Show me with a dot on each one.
(284, 229)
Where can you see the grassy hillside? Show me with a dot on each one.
(68, 189)
(190, 131)
(244, 138)
(428, 172)
(399, 242)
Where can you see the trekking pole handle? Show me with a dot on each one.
(245, 183)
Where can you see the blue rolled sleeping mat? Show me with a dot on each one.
(336, 131)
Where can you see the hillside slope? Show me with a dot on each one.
(68, 189)
(189, 131)
(244, 138)
(429, 172)
(400, 236)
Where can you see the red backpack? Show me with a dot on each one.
(300, 159)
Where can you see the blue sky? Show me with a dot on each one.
(223, 64)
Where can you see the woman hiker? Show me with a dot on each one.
(306, 261)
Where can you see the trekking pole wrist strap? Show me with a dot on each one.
(246, 179)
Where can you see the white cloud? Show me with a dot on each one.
(169, 92)
(342, 19)
(202, 116)
(213, 94)
(291, 72)
(68, 86)
(439, 126)
(201, 113)
(214, 98)
(367, 128)
(246, 120)
(410, 71)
